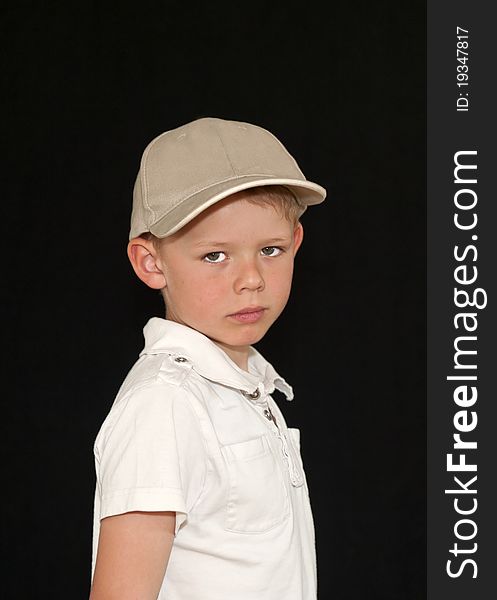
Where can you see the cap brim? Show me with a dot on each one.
(307, 192)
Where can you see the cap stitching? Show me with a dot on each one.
(144, 170)
(226, 152)
(145, 183)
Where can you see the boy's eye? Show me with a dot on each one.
(217, 257)
(214, 256)
(271, 248)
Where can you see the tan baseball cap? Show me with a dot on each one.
(186, 170)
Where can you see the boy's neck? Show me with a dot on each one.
(238, 354)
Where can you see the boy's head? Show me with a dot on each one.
(215, 226)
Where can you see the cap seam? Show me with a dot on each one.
(144, 169)
(225, 151)
(145, 183)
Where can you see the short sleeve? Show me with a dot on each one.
(150, 454)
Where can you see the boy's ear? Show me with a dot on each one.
(298, 236)
(146, 262)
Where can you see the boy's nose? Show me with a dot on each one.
(249, 277)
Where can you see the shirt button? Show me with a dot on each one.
(180, 359)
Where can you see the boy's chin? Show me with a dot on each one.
(245, 336)
(250, 337)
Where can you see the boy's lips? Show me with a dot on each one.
(249, 314)
(248, 309)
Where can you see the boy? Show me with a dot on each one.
(201, 493)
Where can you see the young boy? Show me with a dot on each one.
(201, 493)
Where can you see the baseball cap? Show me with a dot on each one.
(187, 169)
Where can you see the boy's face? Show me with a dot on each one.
(235, 255)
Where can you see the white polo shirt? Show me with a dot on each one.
(191, 432)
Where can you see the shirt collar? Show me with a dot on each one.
(209, 360)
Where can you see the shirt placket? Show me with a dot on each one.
(260, 403)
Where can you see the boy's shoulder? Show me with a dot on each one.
(155, 370)
(152, 390)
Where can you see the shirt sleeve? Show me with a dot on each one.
(150, 454)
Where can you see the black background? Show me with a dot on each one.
(87, 87)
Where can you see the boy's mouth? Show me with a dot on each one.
(249, 314)
(248, 309)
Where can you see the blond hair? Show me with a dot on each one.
(281, 198)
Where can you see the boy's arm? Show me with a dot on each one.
(133, 552)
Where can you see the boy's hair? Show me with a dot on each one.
(277, 196)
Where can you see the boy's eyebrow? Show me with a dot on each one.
(218, 244)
